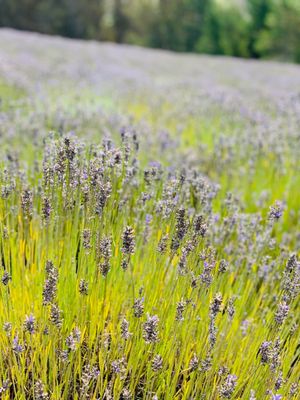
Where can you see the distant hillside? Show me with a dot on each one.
(35, 62)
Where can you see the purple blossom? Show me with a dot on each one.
(276, 396)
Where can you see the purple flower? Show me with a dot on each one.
(276, 211)
(29, 324)
(148, 218)
(16, 346)
(155, 164)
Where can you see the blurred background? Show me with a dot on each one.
(241, 28)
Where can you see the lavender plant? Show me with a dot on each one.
(149, 245)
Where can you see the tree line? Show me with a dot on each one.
(242, 28)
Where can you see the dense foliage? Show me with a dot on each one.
(248, 28)
(149, 224)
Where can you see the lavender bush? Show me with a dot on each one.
(149, 209)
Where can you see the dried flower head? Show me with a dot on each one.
(73, 339)
(223, 266)
(128, 240)
(7, 326)
(227, 388)
(162, 244)
(50, 286)
(86, 238)
(16, 346)
(126, 394)
(194, 362)
(56, 316)
(125, 334)
(30, 324)
(215, 305)
(40, 392)
(281, 312)
(83, 287)
(138, 307)
(151, 332)
(119, 366)
(180, 310)
(46, 209)
(157, 363)
(275, 211)
(5, 386)
(104, 251)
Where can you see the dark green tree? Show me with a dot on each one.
(259, 11)
(121, 21)
(281, 37)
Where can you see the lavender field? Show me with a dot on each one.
(149, 223)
